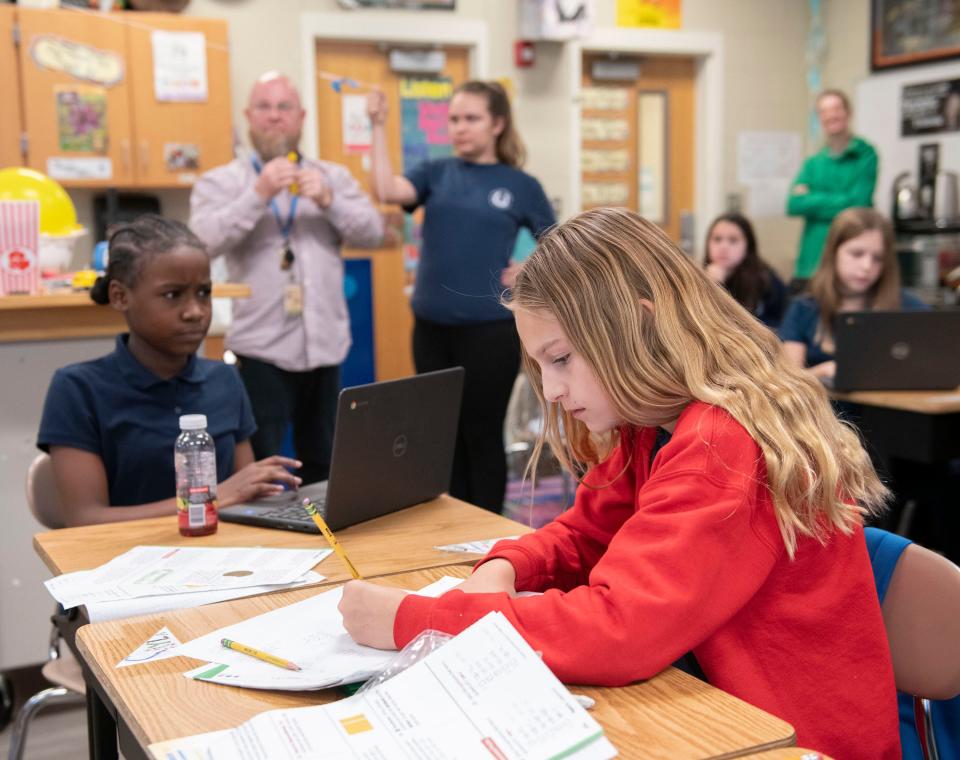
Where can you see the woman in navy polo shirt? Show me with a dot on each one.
(110, 424)
(474, 205)
(858, 272)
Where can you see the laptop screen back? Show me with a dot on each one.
(898, 350)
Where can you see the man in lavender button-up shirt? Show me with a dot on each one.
(280, 224)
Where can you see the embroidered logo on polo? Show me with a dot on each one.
(500, 198)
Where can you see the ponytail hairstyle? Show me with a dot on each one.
(750, 281)
(510, 148)
(591, 273)
(132, 244)
(825, 286)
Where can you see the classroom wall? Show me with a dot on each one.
(876, 96)
(764, 83)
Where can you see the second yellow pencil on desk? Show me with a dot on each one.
(236, 646)
(312, 510)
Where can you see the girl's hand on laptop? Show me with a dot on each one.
(496, 576)
(369, 611)
(258, 479)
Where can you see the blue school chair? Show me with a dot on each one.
(920, 597)
(61, 669)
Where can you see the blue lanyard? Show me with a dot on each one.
(285, 226)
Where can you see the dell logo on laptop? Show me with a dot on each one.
(900, 350)
(400, 445)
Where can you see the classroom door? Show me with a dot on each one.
(368, 62)
(637, 145)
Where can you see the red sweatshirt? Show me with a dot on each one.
(655, 561)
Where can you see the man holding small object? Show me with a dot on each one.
(280, 220)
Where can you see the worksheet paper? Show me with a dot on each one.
(150, 605)
(484, 694)
(155, 570)
(309, 633)
(474, 547)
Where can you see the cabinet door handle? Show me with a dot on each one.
(144, 156)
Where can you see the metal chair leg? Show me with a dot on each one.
(928, 738)
(37, 702)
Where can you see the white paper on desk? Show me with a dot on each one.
(160, 646)
(155, 570)
(150, 605)
(483, 694)
(309, 633)
(476, 547)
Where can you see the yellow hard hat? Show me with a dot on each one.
(57, 213)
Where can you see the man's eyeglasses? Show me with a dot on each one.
(285, 107)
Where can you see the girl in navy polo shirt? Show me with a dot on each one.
(109, 424)
(474, 205)
(858, 272)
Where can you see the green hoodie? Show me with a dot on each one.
(834, 183)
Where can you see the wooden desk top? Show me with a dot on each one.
(672, 715)
(787, 753)
(924, 402)
(82, 298)
(73, 315)
(394, 543)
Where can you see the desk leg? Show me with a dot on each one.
(101, 728)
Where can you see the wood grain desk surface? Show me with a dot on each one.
(672, 715)
(81, 299)
(787, 753)
(924, 402)
(395, 543)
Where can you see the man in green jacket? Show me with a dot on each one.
(841, 175)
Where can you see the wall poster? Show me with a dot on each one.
(930, 107)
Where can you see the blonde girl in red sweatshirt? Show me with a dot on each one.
(738, 540)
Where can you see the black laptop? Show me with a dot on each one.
(897, 350)
(392, 448)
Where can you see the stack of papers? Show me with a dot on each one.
(483, 694)
(309, 633)
(149, 579)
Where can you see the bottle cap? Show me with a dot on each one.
(193, 421)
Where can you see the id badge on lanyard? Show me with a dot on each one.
(293, 290)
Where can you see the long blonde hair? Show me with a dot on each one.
(825, 286)
(591, 274)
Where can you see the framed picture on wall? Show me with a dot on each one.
(908, 32)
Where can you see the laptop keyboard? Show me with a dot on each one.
(293, 513)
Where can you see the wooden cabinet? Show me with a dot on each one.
(90, 111)
(10, 117)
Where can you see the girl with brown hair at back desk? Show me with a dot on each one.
(858, 272)
(109, 424)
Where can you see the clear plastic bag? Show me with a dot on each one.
(427, 642)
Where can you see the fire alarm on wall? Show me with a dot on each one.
(524, 54)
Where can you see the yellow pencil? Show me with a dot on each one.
(331, 539)
(294, 158)
(272, 659)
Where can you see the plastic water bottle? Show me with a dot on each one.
(195, 460)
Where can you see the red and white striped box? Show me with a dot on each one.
(19, 247)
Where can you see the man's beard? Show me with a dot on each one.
(272, 145)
